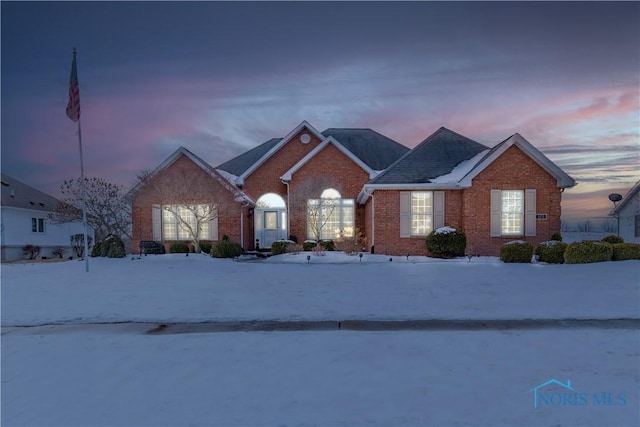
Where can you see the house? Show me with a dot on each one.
(627, 211)
(321, 185)
(25, 221)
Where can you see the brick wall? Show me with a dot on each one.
(266, 178)
(469, 209)
(230, 211)
(513, 170)
(334, 165)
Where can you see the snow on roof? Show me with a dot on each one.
(461, 169)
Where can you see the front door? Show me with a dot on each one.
(271, 230)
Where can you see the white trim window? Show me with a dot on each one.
(37, 225)
(421, 212)
(330, 216)
(513, 213)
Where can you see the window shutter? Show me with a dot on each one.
(438, 209)
(530, 212)
(405, 214)
(156, 219)
(213, 228)
(496, 213)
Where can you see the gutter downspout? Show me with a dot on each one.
(373, 222)
(288, 216)
(242, 227)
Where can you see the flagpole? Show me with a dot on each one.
(84, 200)
(73, 112)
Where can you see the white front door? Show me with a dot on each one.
(270, 226)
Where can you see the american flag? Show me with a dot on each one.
(73, 107)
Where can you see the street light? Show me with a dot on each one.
(615, 198)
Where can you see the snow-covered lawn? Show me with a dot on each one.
(175, 288)
(115, 375)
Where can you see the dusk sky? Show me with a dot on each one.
(221, 78)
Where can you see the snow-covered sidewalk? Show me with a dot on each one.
(175, 288)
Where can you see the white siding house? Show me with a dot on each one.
(628, 214)
(24, 221)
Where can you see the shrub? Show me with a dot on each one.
(205, 247)
(446, 242)
(58, 251)
(96, 251)
(112, 246)
(350, 244)
(293, 238)
(225, 248)
(309, 245)
(179, 248)
(556, 236)
(588, 251)
(31, 251)
(116, 248)
(625, 251)
(280, 247)
(613, 239)
(516, 251)
(328, 245)
(551, 251)
(77, 243)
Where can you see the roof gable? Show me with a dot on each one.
(436, 156)
(370, 147)
(182, 151)
(536, 155)
(276, 147)
(16, 194)
(633, 192)
(288, 175)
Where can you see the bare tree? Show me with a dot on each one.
(306, 197)
(190, 198)
(107, 210)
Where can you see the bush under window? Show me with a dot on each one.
(516, 251)
(179, 248)
(446, 242)
(226, 248)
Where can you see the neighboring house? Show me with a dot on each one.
(627, 211)
(368, 182)
(25, 221)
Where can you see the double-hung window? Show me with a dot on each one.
(37, 225)
(421, 212)
(513, 213)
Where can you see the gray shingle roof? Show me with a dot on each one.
(435, 156)
(375, 150)
(241, 163)
(19, 195)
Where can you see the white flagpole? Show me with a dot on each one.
(73, 112)
(84, 201)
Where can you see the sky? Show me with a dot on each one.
(222, 77)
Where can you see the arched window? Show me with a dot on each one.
(271, 200)
(330, 216)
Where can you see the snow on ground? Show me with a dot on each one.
(341, 378)
(175, 288)
(115, 375)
